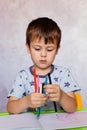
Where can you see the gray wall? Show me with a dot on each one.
(71, 15)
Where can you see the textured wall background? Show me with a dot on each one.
(71, 15)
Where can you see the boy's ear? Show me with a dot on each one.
(27, 47)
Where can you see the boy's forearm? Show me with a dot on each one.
(17, 106)
(68, 103)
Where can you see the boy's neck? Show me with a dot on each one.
(42, 72)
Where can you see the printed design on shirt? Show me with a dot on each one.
(20, 85)
(28, 91)
(67, 84)
(20, 76)
(31, 83)
(68, 75)
(56, 79)
(22, 71)
(75, 86)
(60, 71)
(26, 78)
(24, 94)
(11, 91)
(56, 68)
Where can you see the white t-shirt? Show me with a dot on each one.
(24, 83)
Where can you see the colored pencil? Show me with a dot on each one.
(35, 81)
(55, 106)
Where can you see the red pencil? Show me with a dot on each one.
(35, 82)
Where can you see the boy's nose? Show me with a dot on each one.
(43, 53)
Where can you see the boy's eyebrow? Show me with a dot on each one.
(46, 46)
(36, 46)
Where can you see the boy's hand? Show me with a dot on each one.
(35, 100)
(54, 92)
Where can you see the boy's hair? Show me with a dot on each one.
(43, 27)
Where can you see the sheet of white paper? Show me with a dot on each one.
(63, 120)
(28, 121)
(19, 121)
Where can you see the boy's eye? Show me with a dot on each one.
(50, 49)
(37, 49)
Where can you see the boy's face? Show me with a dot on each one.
(42, 54)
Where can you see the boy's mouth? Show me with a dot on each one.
(43, 61)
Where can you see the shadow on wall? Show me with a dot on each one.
(3, 99)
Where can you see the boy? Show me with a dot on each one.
(43, 38)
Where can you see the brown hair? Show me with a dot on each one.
(43, 27)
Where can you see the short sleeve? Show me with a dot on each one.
(68, 83)
(18, 87)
